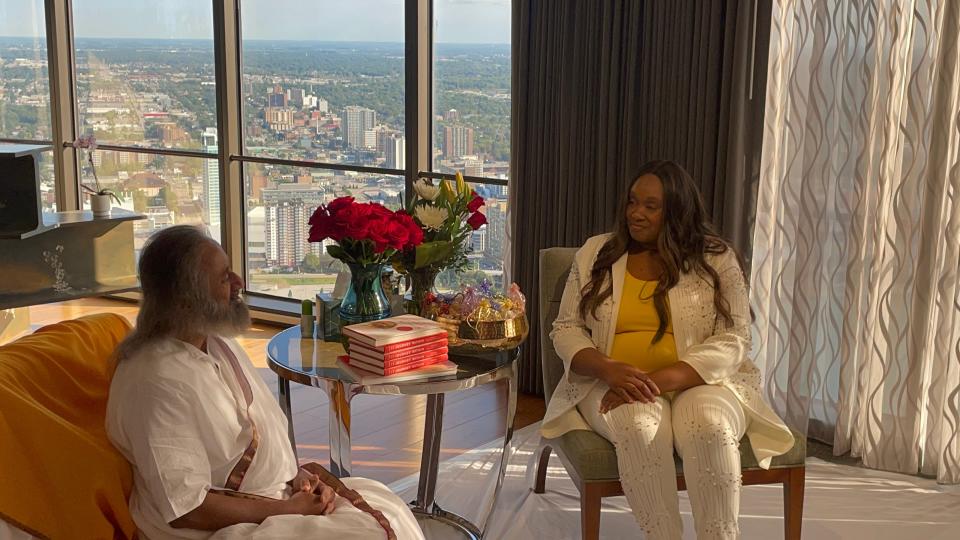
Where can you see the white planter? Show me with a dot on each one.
(100, 205)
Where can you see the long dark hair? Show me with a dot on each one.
(686, 237)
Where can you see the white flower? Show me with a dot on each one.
(425, 190)
(431, 216)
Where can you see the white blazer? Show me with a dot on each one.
(717, 352)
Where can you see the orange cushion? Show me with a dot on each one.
(59, 475)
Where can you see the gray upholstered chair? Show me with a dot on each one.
(591, 460)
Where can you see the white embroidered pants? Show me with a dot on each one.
(704, 424)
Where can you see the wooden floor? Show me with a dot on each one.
(387, 431)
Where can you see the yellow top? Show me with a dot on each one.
(637, 324)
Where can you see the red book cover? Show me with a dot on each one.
(400, 354)
(393, 330)
(419, 359)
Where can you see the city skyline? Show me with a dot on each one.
(456, 21)
(315, 101)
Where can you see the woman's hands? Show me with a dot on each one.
(627, 384)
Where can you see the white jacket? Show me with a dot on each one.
(718, 353)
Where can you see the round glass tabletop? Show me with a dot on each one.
(313, 362)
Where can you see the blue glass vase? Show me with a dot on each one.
(365, 299)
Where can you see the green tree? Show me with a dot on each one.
(311, 264)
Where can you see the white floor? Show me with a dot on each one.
(841, 502)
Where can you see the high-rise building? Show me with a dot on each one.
(395, 150)
(496, 212)
(211, 178)
(295, 97)
(276, 97)
(286, 212)
(279, 119)
(472, 166)
(355, 123)
(370, 138)
(457, 141)
(478, 242)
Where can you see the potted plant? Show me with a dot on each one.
(99, 198)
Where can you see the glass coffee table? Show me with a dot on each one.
(312, 362)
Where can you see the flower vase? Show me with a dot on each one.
(422, 283)
(365, 299)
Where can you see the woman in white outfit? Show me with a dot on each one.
(654, 333)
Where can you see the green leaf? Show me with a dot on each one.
(337, 252)
(429, 253)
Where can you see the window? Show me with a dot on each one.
(150, 86)
(471, 117)
(321, 91)
(167, 189)
(471, 88)
(280, 200)
(323, 81)
(146, 84)
(24, 83)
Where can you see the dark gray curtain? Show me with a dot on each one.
(602, 86)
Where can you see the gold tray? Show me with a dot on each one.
(479, 336)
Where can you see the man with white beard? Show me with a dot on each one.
(208, 444)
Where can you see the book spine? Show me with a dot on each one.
(398, 354)
(412, 359)
(402, 345)
(398, 369)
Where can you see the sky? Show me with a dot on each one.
(456, 21)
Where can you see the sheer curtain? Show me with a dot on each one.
(857, 236)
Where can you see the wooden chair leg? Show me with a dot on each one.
(590, 512)
(793, 503)
(541, 481)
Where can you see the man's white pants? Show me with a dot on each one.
(705, 424)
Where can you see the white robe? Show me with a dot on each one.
(719, 354)
(178, 415)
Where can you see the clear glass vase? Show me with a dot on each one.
(365, 299)
(422, 283)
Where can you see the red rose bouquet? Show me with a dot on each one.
(366, 233)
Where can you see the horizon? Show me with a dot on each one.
(253, 40)
(364, 21)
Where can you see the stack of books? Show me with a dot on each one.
(398, 348)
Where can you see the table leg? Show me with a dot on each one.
(284, 398)
(507, 447)
(340, 460)
(430, 461)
